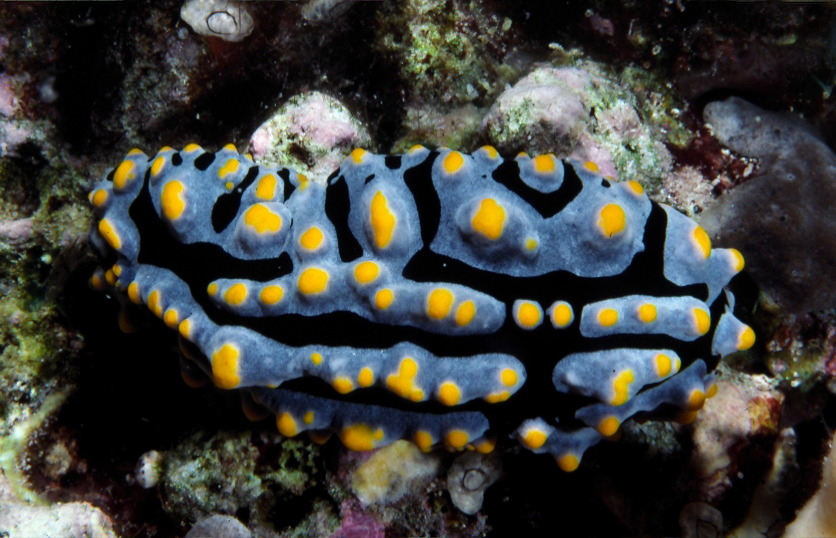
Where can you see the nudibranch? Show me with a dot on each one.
(436, 296)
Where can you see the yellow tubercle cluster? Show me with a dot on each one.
(383, 220)
(489, 219)
(402, 382)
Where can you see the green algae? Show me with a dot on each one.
(231, 471)
(630, 116)
(34, 339)
(457, 128)
(517, 123)
(795, 348)
(626, 122)
(42, 201)
(448, 52)
(637, 144)
(660, 106)
(14, 441)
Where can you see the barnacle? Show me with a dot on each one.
(224, 19)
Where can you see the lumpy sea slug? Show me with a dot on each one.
(435, 296)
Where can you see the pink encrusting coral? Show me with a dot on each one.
(9, 104)
(357, 523)
(312, 132)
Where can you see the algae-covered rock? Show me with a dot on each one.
(312, 133)
(20, 518)
(229, 472)
(584, 111)
(543, 111)
(431, 126)
(448, 52)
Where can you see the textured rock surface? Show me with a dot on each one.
(818, 516)
(224, 474)
(450, 52)
(775, 219)
(219, 526)
(544, 105)
(61, 520)
(746, 407)
(583, 111)
(356, 522)
(392, 472)
(312, 132)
